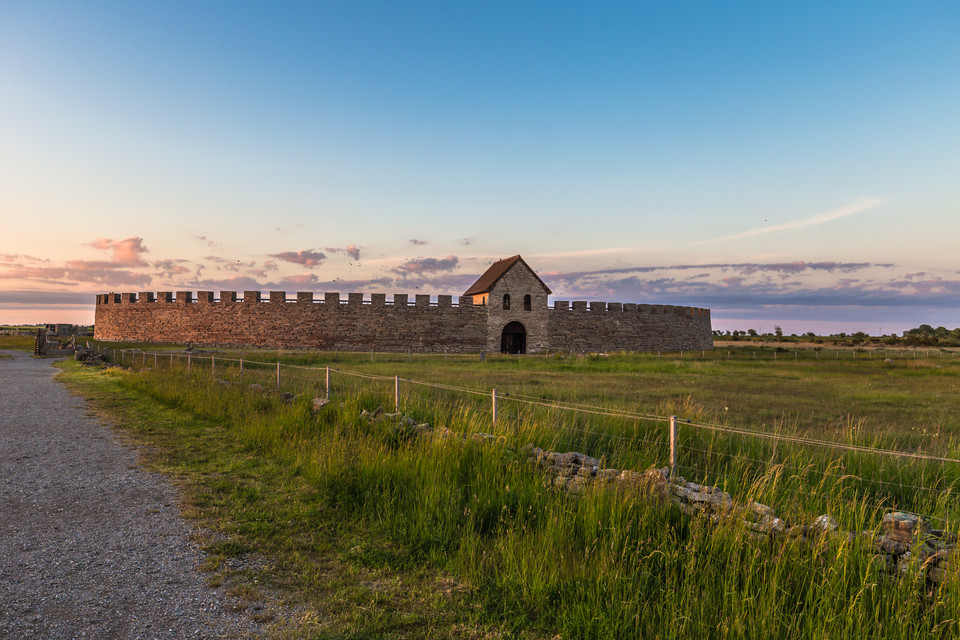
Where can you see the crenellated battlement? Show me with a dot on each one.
(376, 300)
(282, 297)
(627, 307)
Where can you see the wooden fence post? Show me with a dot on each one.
(327, 385)
(494, 407)
(396, 393)
(673, 445)
(278, 375)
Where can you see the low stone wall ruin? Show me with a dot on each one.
(906, 541)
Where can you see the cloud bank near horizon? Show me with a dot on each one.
(744, 287)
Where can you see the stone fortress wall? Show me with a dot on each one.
(278, 322)
(506, 309)
(362, 323)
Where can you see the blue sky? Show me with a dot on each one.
(780, 163)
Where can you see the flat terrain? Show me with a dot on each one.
(377, 529)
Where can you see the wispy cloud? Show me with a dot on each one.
(248, 283)
(44, 299)
(171, 268)
(581, 253)
(78, 272)
(307, 257)
(763, 286)
(20, 258)
(352, 250)
(210, 243)
(427, 265)
(859, 206)
(299, 280)
(745, 268)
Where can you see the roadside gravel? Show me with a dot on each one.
(91, 546)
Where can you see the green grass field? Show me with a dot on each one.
(378, 533)
(17, 343)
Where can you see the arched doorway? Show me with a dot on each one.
(513, 339)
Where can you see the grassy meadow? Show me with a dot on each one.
(17, 343)
(370, 530)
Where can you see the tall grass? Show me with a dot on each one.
(610, 563)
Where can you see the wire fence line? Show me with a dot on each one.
(609, 440)
(589, 409)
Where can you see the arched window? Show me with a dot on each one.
(526, 302)
(506, 302)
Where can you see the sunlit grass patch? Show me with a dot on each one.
(385, 532)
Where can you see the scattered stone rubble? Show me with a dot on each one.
(906, 541)
(86, 356)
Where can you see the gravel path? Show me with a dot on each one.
(91, 546)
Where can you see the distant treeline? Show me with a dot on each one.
(922, 336)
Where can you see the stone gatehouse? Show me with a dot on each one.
(506, 310)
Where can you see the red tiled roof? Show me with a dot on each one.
(489, 278)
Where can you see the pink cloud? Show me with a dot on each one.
(34, 273)
(428, 265)
(299, 280)
(306, 257)
(15, 258)
(126, 252)
(78, 271)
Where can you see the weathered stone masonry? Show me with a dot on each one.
(473, 323)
